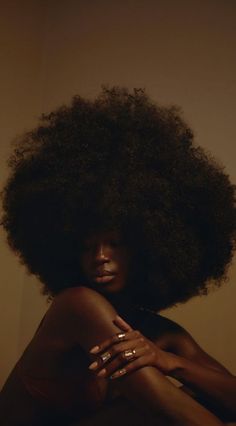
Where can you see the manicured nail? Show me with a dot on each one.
(93, 366)
(102, 372)
(94, 350)
(118, 374)
(118, 317)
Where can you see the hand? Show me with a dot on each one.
(128, 351)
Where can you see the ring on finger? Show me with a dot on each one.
(120, 336)
(130, 354)
(106, 356)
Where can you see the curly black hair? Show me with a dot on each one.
(121, 161)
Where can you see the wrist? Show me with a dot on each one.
(180, 367)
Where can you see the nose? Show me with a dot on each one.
(102, 253)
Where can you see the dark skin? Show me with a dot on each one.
(81, 318)
(174, 354)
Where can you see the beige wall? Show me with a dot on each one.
(20, 97)
(182, 51)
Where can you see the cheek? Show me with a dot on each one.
(124, 260)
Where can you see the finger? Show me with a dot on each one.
(122, 323)
(118, 349)
(121, 354)
(135, 340)
(107, 343)
(120, 361)
(114, 339)
(140, 362)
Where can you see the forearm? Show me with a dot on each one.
(216, 386)
(150, 390)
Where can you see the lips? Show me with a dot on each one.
(103, 276)
(103, 273)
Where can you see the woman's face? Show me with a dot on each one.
(105, 261)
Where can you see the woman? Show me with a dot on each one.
(116, 211)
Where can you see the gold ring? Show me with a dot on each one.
(129, 354)
(105, 357)
(120, 336)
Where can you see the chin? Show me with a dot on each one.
(112, 289)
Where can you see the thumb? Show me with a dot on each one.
(122, 324)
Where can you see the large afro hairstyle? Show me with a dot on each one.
(123, 162)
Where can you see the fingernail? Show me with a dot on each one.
(114, 376)
(118, 317)
(102, 372)
(94, 350)
(93, 366)
(118, 374)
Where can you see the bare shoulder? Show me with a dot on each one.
(84, 314)
(170, 325)
(77, 293)
(83, 301)
(162, 325)
(171, 336)
(176, 339)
